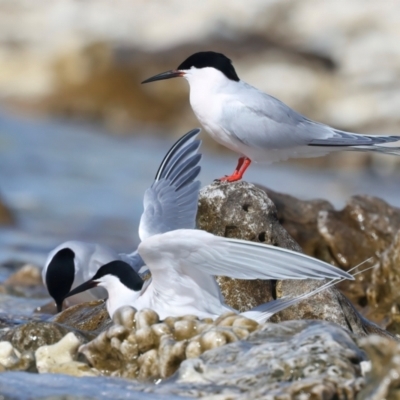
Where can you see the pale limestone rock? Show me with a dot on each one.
(59, 358)
(8, 355)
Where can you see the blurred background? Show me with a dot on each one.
(81, 139)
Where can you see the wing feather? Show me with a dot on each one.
(171, 202)
(214, 255)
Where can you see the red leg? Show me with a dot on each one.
(243, 164)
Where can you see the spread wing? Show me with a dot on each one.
(171, 201)
(195, 251)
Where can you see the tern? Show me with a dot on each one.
(256, 125)
(183, 264)
(170, 203)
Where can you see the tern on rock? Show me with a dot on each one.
(183, 264)
(170, 203)
(256, 125)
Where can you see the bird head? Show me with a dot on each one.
(205, 65)
(59, 275)
(111, 276)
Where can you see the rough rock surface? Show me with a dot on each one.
(34, 334)
(233, 357)
(60, 358)
(383, 380)
(366, 227)
(91, 317)
(139, 346)
(244, 211)
(312, 357)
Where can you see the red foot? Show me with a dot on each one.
(243, 164)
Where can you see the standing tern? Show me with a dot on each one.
(170, 203)
(183, 264)
(256, 125)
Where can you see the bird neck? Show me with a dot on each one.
(118, 295)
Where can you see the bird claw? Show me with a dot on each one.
(230, 178)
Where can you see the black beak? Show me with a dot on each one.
(81, 288)
(174, 73)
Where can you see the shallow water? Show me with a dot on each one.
(24, 386)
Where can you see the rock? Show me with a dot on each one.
(60, 358)
(382, 381)
(312, 357)
(242, 211)
(139, 346)
(32, 335)
(28, 275)
(12, 359)
(366, 227)
(8, 355)
(6, 217)
(91, 317)
(300, 219)
(25, 282)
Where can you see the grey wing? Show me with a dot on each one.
(274, 125)
(171, 202)
(234, 258)
(267, 123)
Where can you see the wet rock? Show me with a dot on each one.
(316, 358)
(34, 334)
(139, 346)
(60, 358)
(91, 317)
(383, 380)
(242, 211)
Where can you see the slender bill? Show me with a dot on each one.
(173, 73)
(81, 288)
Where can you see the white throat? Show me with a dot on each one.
(118, 294)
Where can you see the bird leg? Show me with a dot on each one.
(242, 165)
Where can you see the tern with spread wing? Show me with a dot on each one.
(170, 203)
(183, 264)
(256, 125)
